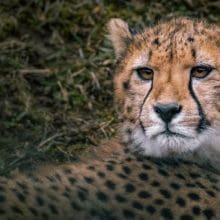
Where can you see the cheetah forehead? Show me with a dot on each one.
(168, 40)
(181, 39)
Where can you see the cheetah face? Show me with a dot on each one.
(167, 86)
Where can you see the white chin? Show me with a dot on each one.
(163, 145)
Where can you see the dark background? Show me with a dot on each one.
(56, 95)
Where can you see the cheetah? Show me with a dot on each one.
(164, 162)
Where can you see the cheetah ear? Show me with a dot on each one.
(119, 34)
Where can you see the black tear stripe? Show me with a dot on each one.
(203, 122)
(145, 98)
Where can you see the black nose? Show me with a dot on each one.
(167, 111)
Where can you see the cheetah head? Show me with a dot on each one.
(167, 86)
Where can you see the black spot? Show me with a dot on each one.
(128, 214)
(39, 200)
(129, 188)
(155, 183)
(175, 186)
(72, 180)
(81, 195)
(180, 176)
(129, 109)
(216, 188)
(66, 194)
(102, 196)
(126, 85)
(132, 120)
(190, 185)
(193, 52)
(128, 159)
(51, 179)
(146, 167)
(143, 176)
(190, 39)
(2, 198)
(91, 168)
(212, 179)
(126, 169)
(165, 193)
(137, 205)
(57, 176)
(210, 192)
(200, 185)
(125, 149)
(209, 213)
(162, 172)
(111, 185)
(186, 217)
(53, 209)
(150, 55)
(194, 175)
(156, 41)
(101, 174)
(193, 196)
(67, 171)
(158, 201)
(15, 209)
(121, 175)
(109, 167)
(112, 161)
(33, 211)
(89, 180)
(128, 131)
(166, 213)
(75, 206)
(23, 185)
(39, 189)
(180, 201)
(150, 209)
(196, 210)
(120, 198)
(20, 197)
(144, 194)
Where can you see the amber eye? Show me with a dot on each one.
(201, 71)
(145, 73)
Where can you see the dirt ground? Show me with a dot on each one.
(56, 94)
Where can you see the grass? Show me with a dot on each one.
(56, 92)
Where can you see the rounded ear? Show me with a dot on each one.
(119, 34)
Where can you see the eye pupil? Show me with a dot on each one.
(201, 71)
(145, 73)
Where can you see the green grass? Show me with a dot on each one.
(56, 74)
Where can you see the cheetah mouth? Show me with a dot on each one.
(169, 133)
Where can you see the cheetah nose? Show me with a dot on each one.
(167, 111)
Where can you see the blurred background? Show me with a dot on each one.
(56, 70)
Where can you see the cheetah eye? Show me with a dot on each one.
(201, 71)
(145, 73)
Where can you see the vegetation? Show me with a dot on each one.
(56, 73)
